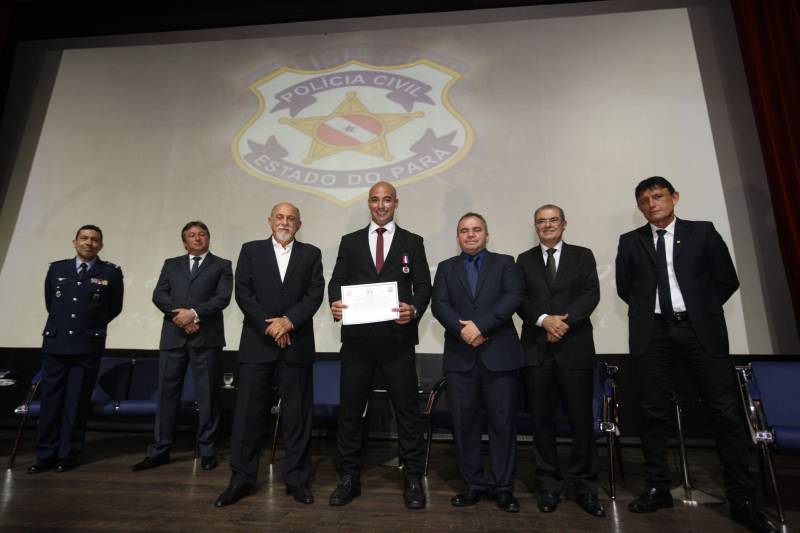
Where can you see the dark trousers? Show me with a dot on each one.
(66, 393)
(468, 392)
(546, 385)
(172, 370)
(398, 367)
(716, 382)
(250, 421)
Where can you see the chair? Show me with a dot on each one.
(604, 406)
(142, 398)
(326, 376)
(769, 393)
(113, 379)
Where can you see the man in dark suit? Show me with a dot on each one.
(82, 295)
(675, 275)
(561, 291)
(279, 287)
(192, 291)
(475, 295)
(381, 252)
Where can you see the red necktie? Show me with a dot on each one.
(379, 250)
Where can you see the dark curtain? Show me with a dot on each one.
(769, 36)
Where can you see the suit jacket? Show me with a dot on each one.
(260, 295)
(705, 274)
(79, 310)
(575, 292)
(208, 293)
(354, 266)
(497, 297)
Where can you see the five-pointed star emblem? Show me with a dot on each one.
(352, 127)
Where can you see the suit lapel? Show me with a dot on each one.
(271, 260)
(646, 240)
(564, 264)
(461, 274)
(683, 232)
(398, 242)
(297, 249)
(483, 273)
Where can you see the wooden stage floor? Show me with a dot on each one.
(103, 495)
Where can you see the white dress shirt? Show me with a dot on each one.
(282, 255)
(557, 259)
(388, 235)
(678, 305)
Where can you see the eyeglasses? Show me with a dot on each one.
(545, 221)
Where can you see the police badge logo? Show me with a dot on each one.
(335, 132)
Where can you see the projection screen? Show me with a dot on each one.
(494, 111)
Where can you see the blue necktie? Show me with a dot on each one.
(472, 273)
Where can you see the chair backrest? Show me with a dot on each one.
(777, 384)
(144, 380)
(327, 376)
(113, 379)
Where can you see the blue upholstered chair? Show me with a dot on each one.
(113, 379)
(769, 393)
(604, 406)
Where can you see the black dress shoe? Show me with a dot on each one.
(346, 489)
(548, 501)
(301, 493)
(651, 500)
(469, 496)
(747, 513)
(209, 462)
(150, 462)
(506, 501)
(65, 465)
(591, 504)
(414, 493)
(42, 466)
(234, 493)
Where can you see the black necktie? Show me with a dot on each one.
(82, 270)
(472, 273)
(195, 265)
(551, 265)
(662, 275)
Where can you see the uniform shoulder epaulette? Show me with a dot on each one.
(61, 261)
(112, 265)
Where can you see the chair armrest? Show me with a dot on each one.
(433, 396)
(22, 409)
(754, 412)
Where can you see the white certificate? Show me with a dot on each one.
(372, 302)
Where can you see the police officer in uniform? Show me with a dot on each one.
(82, 296)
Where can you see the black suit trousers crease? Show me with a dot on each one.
(546, 385)
(295, 384)
(398, 367)
(716, 382)
(469, 392)
(172, 366)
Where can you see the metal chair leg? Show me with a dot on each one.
(20, 429)
(277, 412)
(774, 481)
(21, 425)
